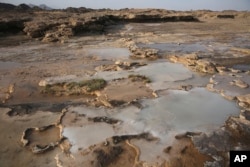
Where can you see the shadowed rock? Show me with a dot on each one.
(225, 16)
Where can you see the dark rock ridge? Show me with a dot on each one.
(78, 10)
(22, 7)
(6, 6)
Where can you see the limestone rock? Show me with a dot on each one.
(196, 63)
(234, 70)
(221, 69)
(38, 149)
(245, 114)
(188, 60)
(186, 87)
(144, 52)
(119, 65)
(192, 56)
(239, 83)
(205, 66)
(230, 85)
(244, 98)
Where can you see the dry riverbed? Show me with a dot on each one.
(140, 93)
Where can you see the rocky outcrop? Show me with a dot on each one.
(6, 93)
(205, 66)
(244, 101)
(119, 65)
(234, 135)
(231, 84)
(195, 63)
(47, 25)
(58, 25)
(30, 139)
(239, 83)
(139, 53)
(38, 29)
(60, 34)
(144, 53)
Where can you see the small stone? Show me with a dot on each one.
(186, 87)
(211, 80)
(234, 70)
(11, 88)
(221, 69)
(242, 104)
(239, 83)
(244, 114)
(210, 87)
(106, 143)
(167, 150)
(38, 149)
(192, 56)
(155, 94)
(244, 98)
(42, 83)
(228, 97)
(118, 62)
(173, 59)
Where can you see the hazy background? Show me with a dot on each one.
(166, 4)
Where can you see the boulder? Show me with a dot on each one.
(195, 63)
(205, 66)
(143, 52)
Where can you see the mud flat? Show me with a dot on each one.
(130, 87)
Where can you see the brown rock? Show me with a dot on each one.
(195, 63)
(245, 115)
(205, 66)
(244, 98)
(192, 56)
(239, 83)
(189, 59)
(221, 69)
